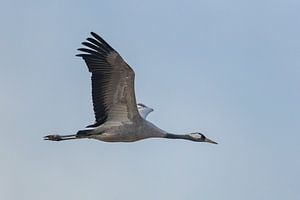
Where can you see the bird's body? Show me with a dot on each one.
(126, 132)
(118, 117)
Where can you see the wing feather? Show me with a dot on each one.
(112, 82)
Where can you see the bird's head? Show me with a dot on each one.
(144, 110)
(199, 137)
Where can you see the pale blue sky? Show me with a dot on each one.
(230, 69)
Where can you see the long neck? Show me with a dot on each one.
(176, 136)
(154, 131)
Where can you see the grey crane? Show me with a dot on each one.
(115, 108)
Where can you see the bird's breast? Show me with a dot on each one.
(116, 137)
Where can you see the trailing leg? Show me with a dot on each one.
(80, 135)
(60, 137)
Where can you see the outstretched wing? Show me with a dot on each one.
(112, 82)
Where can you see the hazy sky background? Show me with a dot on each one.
(230, 69)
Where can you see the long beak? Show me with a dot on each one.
(210, 141)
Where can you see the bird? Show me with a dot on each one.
(117, 116)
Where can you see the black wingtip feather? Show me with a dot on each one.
(94, 41)
(100, 48)
(82, 55)
(96, 47)
(99, 38)
(88, 51)
(95, 35)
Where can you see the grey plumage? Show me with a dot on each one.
(117, 116)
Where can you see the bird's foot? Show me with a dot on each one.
(53, 137)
